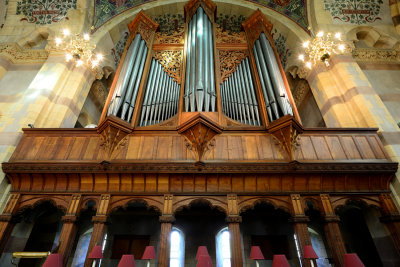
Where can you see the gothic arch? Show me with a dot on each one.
(30, 202)
(85, 201)
(122, 202)
(342, 202)
(282, 203)
(212, 202)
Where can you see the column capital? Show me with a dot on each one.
(167, 219)
(5, 217)
(69, 219)
(332, 218)
(299, 219)
(233, 219)
(99, 219)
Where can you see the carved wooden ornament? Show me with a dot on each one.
(255, 25)
(285, 131)
(113, 132)
(144, 25)
(199, 132)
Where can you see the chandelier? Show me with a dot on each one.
(321, 48)
(78, 49)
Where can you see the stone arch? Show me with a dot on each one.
(276, 202)
(123, 202)
(372, 37)
(212, 202)
(30, 202)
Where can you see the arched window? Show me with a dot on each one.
(223, 248)
(177, 251)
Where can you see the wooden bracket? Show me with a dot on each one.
(199, 132)
(113, 132)
(286, 131)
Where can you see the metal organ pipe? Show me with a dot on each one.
(200, 84)
(161, 96)
(279, 91)
(238, 97)
(127, 85)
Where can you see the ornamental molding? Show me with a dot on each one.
(376, 55)
(17, 55)
(208, 167)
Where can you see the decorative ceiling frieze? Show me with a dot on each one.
(296, 10)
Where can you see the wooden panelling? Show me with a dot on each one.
(245, 146)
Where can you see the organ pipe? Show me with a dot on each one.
(200, 82)
(127, 85)
(271, 80)
(161, 96)
(238, 97)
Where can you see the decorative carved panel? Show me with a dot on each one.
(286, 131)
(199, 132)
(171, 62)
(228, 62)
(113, 132)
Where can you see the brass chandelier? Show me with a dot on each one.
(321, 49)
(78, 49)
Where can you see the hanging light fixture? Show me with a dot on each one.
(78, 49)
(321, 49)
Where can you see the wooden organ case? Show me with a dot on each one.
(225, 133)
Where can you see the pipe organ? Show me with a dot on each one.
(153, 85)
(127, 86)
(161, 96)
(238, 97)
(200, 92)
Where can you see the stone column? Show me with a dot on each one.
(300, 220)
(346, 98)
(166, 220)
(234, 221)
(6, 220)
(332, 232)
(391, 218)
(236, 244)
(99, 226)
(69, 229)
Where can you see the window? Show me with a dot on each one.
(223, 248)
(177, 252)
